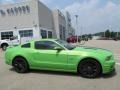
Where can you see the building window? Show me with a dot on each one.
(12, 11)
(24, 9)
(16, 10)
(28, 9)
(44, 33)
(49, 34)
(26, 33)
(60, 31)
(20, 9)
(6, 35)
(64, 33)
(8, 11)
(2, 12)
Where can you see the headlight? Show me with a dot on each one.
(108, 58)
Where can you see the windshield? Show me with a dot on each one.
(65, 44)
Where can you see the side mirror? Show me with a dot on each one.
(58, 48)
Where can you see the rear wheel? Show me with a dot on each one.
(20, 65)
(89, 68)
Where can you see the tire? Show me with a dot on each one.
(89, 68)
(4, 47)
(20, 65)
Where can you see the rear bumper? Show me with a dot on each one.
(109, 67)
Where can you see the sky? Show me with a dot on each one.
(94, 15)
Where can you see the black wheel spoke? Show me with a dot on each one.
(89, 69)
(20, 65)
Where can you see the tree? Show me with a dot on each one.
(90, 36)
(112, 34)
(107, 33)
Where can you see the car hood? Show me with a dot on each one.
(92, 49)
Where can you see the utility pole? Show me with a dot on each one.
(81, 34)
(76, 26)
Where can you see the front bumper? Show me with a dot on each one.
(8, 59)
(108, 67)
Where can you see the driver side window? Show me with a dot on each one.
(45, 45)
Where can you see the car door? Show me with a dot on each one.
(47, 57)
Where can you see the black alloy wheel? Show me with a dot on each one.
(89, 68)
(20, 65)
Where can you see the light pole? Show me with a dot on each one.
(76, 26)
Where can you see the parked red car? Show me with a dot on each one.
(72, 39)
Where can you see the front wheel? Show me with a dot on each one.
(4, 47)
(89, 68)
(20, 65)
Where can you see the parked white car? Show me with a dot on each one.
(15, 40)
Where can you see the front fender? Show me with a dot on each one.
(74, 58)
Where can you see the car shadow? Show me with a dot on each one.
(60, 73)
(110, 75)
(49, 72)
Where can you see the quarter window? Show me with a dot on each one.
(26, 45)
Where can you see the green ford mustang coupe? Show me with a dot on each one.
(58, 55)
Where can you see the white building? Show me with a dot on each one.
(59, 24)
(30, 19)
(33, 20)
